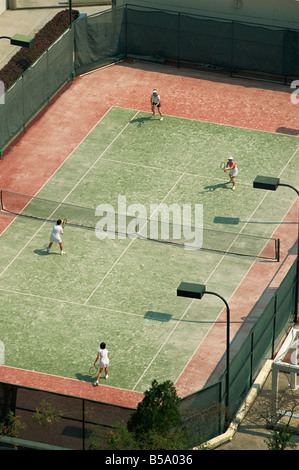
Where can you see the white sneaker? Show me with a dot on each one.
(106, 376)
(233, 188)
(62, 252)
(161, 119)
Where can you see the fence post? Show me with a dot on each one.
(232, 51)
(126, 32)
(179, 38)
(274, 326)
(83, 424)
(251, 357)
(2, 353)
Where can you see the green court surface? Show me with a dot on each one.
(55, 310)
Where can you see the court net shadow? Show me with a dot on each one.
(158, 316)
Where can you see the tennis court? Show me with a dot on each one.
(55, 310)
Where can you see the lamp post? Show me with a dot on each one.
(196, 291)
(70, 12)
(20, 40)
(271, 184)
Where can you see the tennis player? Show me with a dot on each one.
(156, 103)
(55, 237)
(231, 166)
(104, 361)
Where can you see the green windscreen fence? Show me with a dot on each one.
(258, 48)
(268, 330)
(99, 39)
(11, 113)
(153, 35)
(210, 42)
(36, 86)
(182, 39)
(203, 412)
(205, 41)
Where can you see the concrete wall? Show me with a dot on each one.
(283, 13)
(2, 6)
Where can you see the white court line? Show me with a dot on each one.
(191, 302)
(200, 175)
(167, 170)
(92, 306)
(126, 249)
(177, 323)
(65, 301)
(289, 161)
(70, 192)
(162, 346)
(64, 161)
(235, 290)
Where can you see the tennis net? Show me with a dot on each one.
(135, 227)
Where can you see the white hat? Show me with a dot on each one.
(230, 158)
(154, 91)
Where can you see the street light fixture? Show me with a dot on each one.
(270, 183)
(197, 291)
(20, 40)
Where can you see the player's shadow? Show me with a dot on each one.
(43, 252)
(85, 377)
(214, 187)
(142, 120)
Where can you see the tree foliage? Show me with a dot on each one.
(158, 411)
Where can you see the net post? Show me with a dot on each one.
(1, 204)
(278, 250)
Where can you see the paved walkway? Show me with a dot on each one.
(29, 22)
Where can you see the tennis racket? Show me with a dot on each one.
(93, 370)
(222, 165)
(64, 222)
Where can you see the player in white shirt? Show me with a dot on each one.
(104, 361)
(55, 237)
(156, 103)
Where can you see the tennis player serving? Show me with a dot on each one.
(104, 362)
(156, 103)
(231, 166)
(55, 237)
